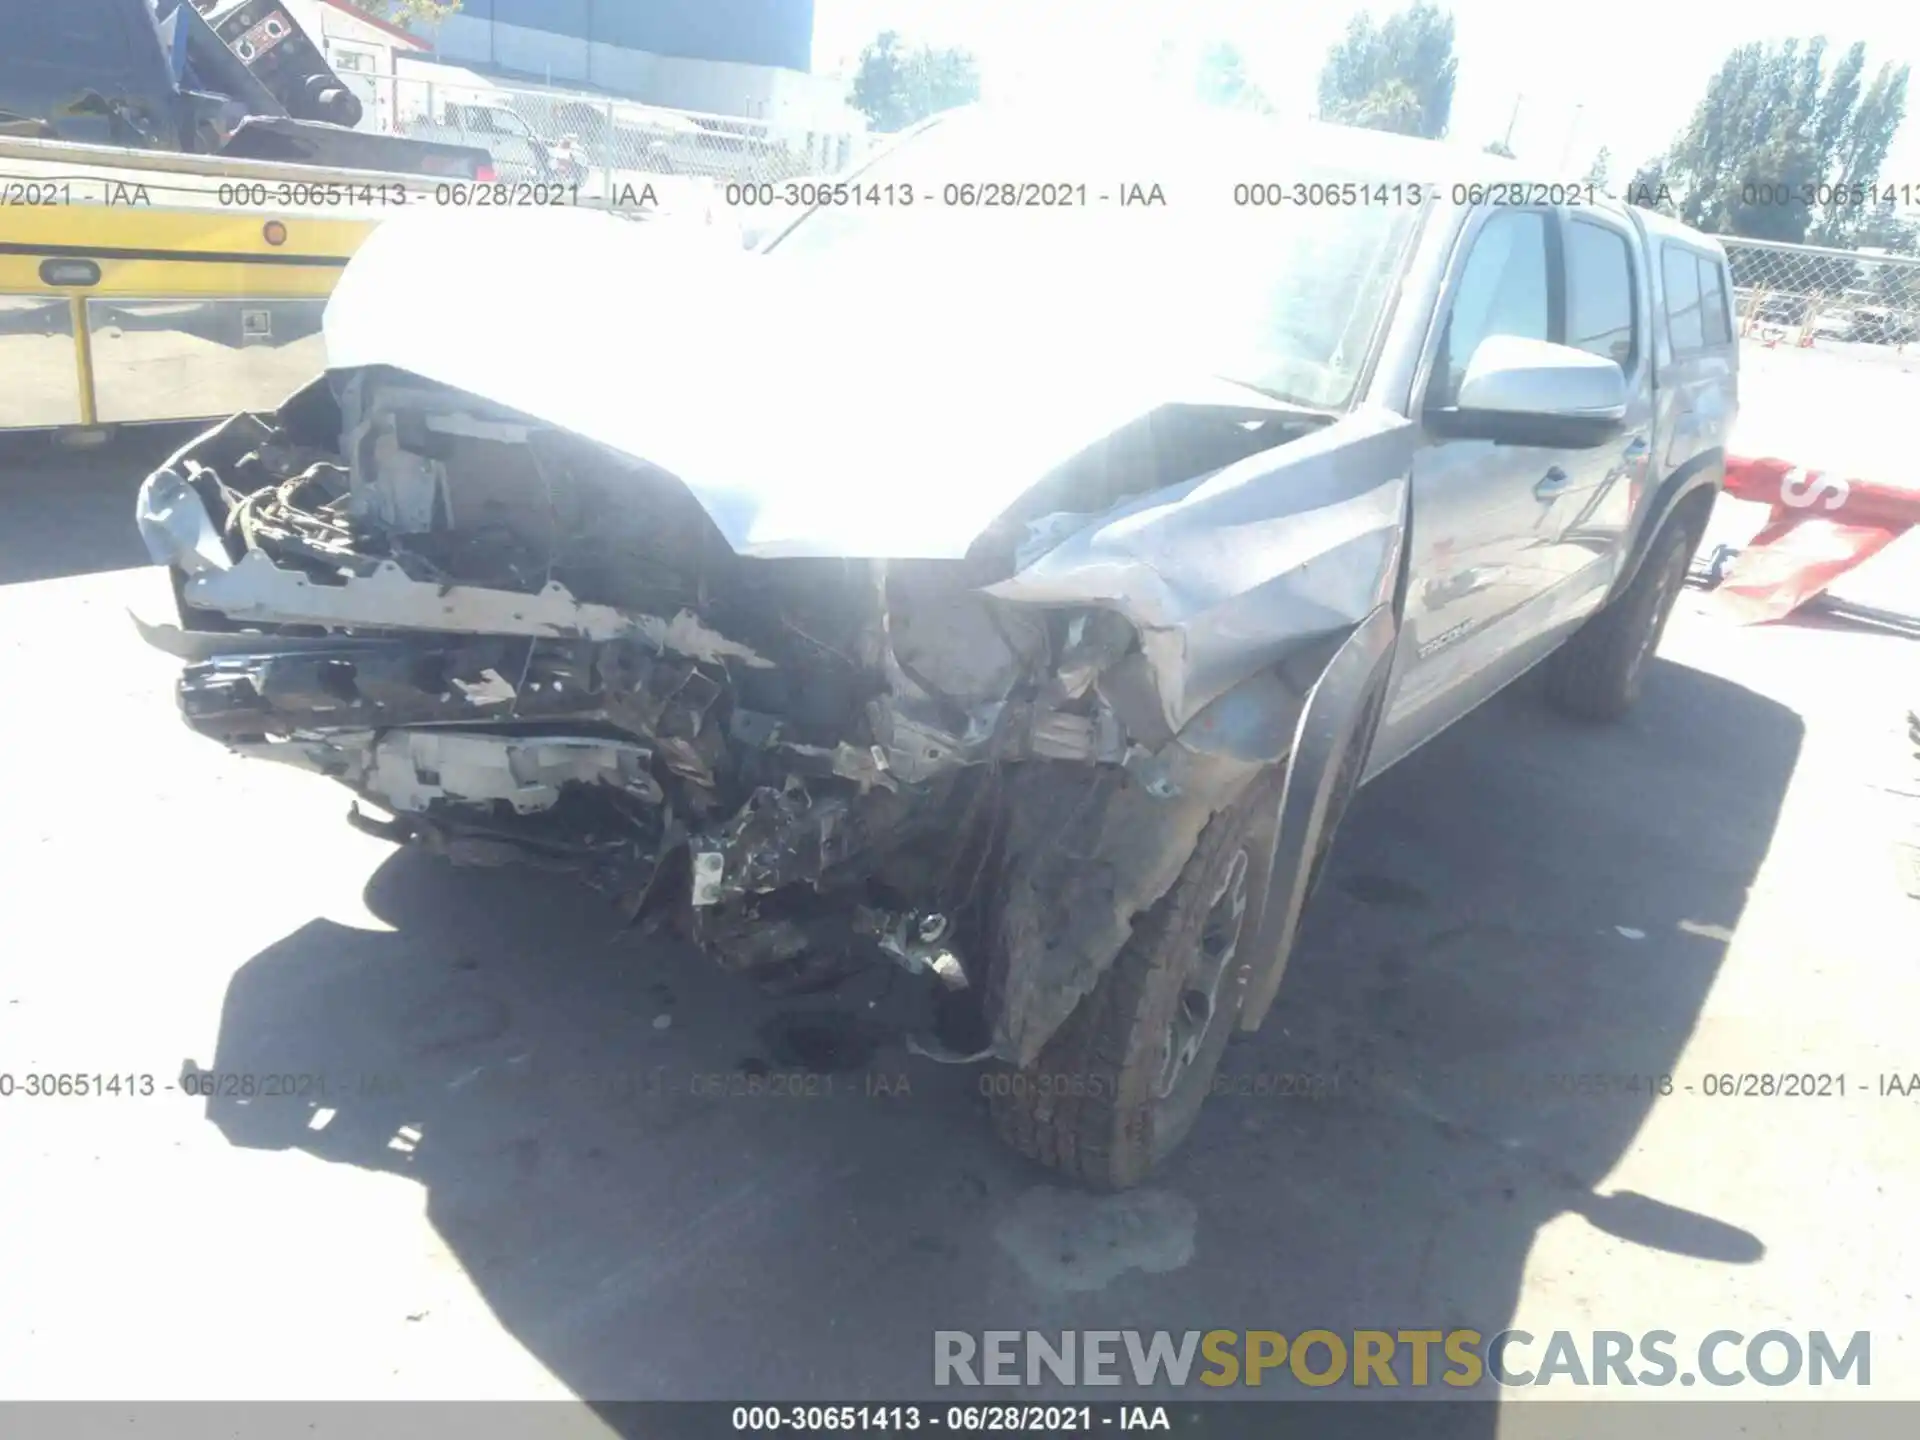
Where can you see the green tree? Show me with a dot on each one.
(1222, 78)
(409, 12)
(897, 85)
(1777, 133)
(1597, 172)
(1885, 228)
(1863, 137)
(1396, 75)
(1649, 188)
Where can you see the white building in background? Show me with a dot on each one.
(743, 58)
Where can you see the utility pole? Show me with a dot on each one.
(1512, 120)
(1573, 130)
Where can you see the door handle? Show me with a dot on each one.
(1553, 483)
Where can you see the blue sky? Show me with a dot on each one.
(1620, 73)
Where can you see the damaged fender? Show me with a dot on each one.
(1087, 855)
(1225, 575)
(1266, 598)
(1328, 757)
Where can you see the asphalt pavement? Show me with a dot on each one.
(517, 1159)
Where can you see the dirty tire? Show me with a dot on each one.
(1087, 1107)
(1597, 674)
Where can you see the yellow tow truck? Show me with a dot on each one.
(166, 251)
(139, 287)
(180, 183)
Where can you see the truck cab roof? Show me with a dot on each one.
(1665, 227)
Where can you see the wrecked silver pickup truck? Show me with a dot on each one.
(1015, 595)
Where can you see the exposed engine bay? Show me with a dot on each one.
(524, 646)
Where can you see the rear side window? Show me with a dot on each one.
(1716, 322)
(1680, 273)
(1600, 292)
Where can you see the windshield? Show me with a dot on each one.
(1169, 226)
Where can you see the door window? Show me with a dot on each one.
(1680, 272)
(1713, 297)
(1502, 291)
(1600, 293)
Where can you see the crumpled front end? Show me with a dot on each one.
(524, 646)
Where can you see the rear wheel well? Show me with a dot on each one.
(1596, 675)
(1693, 511)
(1690, 513)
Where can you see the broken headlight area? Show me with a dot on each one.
(526, 648)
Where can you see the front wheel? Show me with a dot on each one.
(1121, 1083)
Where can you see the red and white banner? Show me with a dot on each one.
(1819, 527)
(1825, 468)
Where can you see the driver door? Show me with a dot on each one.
(1481, 541)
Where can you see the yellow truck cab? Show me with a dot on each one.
(141, 287)
(179, 188)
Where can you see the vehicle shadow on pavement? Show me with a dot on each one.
(1523, 903)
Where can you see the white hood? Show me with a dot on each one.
(812, 406)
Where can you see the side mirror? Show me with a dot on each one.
(1532, 392)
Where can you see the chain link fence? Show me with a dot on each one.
(1830, 380)
(614, 150)
(1804, 294)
